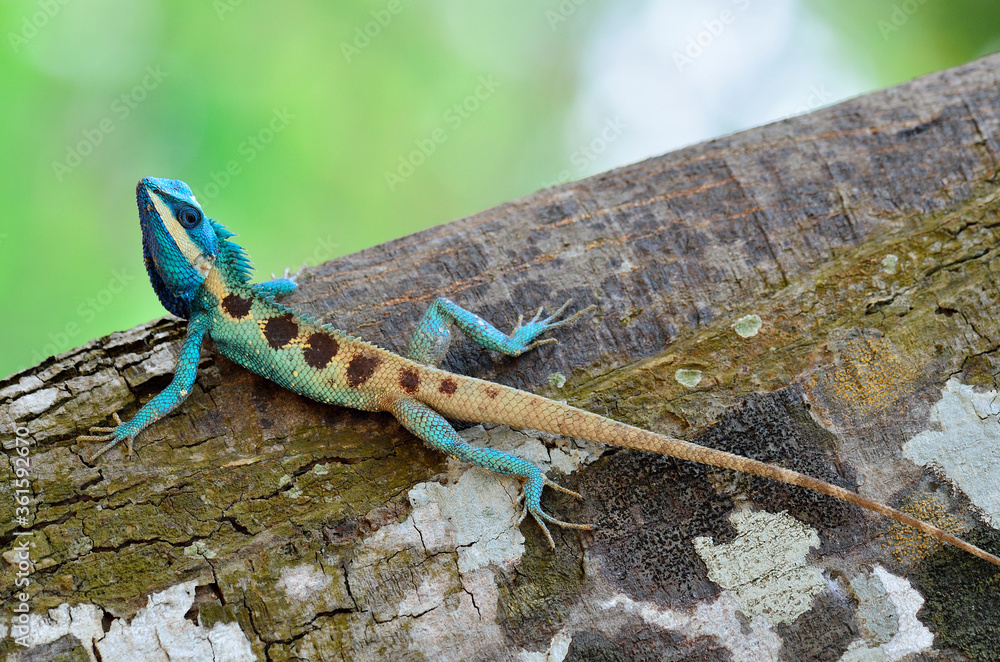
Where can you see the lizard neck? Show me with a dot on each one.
(217, 287)
(229, 275)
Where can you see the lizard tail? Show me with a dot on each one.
(478, 400)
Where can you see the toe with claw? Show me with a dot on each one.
(541, 517)
(524, 335)
(113, 435)
(288, 275)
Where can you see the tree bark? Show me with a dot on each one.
(819, 293)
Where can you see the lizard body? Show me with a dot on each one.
(199, 274)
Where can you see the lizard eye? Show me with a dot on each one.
(189, 216)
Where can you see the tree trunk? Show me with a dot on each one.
(819, 293)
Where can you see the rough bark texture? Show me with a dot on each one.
(254, 523)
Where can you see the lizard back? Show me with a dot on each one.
(296, 351)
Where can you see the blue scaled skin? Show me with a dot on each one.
(202, 276)
(199, 274)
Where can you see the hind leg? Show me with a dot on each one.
(435, 431)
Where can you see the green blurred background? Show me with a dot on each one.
(315, 129)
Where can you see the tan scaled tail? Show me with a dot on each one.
(477, 400)
(695, 453)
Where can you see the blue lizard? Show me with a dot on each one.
(199, 274)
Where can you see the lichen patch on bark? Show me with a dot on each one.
(965, 443)
(765, 567)
(888, 606)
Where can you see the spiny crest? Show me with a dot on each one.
(232, 254)
(305, 317)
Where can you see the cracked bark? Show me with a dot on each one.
(246, 485)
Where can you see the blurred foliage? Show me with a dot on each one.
(312, 129)
(895, 40)
(285, 118)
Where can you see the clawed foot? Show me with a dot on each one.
(289, 275)
(277, 287)
(113, 435)
(541, 517)
(525, 334)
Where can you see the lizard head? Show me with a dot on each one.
(179, 243)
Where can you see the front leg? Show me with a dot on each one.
(165, 400)
(430, 341)
(278, 286)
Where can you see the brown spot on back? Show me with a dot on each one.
(361, 368)
(409, 380)
(321, 348)
(492, 392)
(448, 386)
(236, 306)
(279, 331)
